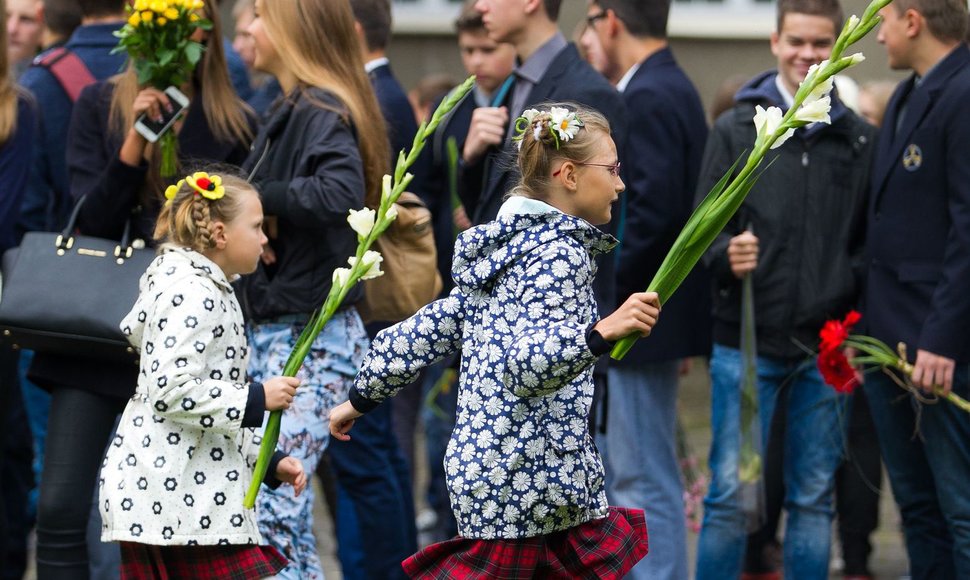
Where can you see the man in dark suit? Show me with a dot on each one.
(549, 69)
(661, 160)
(918, 279)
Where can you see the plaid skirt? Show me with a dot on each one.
(602, 548)
(236, 562)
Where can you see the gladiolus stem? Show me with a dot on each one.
(713, 214)
(338, 292)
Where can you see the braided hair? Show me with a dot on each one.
(186, 219)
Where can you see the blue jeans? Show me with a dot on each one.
(813, 450)
(640, 456)
(929, 473)
(375, 503)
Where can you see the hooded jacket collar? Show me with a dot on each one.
(484, 252)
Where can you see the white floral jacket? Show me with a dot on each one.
(520, 461)
(179, 466)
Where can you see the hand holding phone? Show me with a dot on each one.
(157, 111)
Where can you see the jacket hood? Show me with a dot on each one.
(483, 253)
(174, 266)
(762, 90)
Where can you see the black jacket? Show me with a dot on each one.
(308, 168)
(807, 210)
(113, 191)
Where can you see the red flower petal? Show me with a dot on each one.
(851, 319)
(836, 370)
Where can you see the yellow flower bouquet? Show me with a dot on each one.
(158, 40)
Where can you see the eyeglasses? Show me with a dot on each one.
(614, 169)
(592, 18)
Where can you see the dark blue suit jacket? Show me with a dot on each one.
(568, 78)
(661, 161)
(397, 111)
(918, 241)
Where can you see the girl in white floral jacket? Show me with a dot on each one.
(525, 480)
(173, 480)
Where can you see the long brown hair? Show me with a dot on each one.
(8, 89)
(223, 109)
(316, 41)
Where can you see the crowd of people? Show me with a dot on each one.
(556, 188)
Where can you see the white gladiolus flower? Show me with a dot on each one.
(853, 22)
(341, 276)
(816, 111)
(372, 264)
(767, 121)
(822, 90)
(856, 58)
(362, 221)
(386, 187)
(391, 213)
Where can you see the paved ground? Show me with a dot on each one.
(889, 559)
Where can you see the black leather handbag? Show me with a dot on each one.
(67, 294)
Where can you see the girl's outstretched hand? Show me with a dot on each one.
(342, 419)
(637, 315)
(290, 470)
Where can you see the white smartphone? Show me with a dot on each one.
(151, 129)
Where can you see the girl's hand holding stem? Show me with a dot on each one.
(637, 315)
(279, 392)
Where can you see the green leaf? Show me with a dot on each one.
(193, 52)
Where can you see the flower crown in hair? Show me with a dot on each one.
(561, 123)
(208, 186)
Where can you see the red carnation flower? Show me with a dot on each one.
(834, 332)
(836, 370)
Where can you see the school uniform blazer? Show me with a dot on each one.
(397, 111)
(568, 78)
(661, 161)
(918, 242)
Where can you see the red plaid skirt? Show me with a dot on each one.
(603, 548)
(145, 562)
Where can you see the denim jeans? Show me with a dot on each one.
(929, 473)
(640, 456)
(375, 505)
(813, 450)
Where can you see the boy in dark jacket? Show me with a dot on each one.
(799, 236)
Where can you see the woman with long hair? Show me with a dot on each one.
(116, 170)
(321, 153)
(17, 134)
(17, 129)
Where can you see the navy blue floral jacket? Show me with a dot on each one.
(520, 461)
